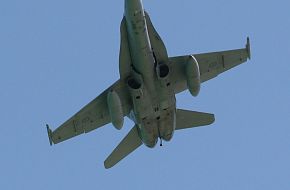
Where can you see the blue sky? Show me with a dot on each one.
(56, 56)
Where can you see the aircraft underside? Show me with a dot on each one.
(152, 95)
(145, 92)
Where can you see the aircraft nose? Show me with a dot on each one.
(131, 6)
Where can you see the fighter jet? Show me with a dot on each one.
(145, 92)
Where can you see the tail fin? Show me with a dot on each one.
(187, 119)
(130, 143)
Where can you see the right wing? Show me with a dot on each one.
(210, 65)
(92, 116)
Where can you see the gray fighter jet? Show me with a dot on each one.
(145, 92)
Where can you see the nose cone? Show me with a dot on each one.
(132, 6)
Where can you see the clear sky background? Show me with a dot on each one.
(58, 55)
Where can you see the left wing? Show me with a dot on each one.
(210, 65)
(92, 116)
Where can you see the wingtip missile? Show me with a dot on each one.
(49, 133)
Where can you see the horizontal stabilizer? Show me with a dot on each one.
(130, 143)
(187, 119)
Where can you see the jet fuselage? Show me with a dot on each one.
(158, 120)
(145, 91)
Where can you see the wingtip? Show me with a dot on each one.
(213, 118)
(49, 133)
(248, 47)
(106, 165)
